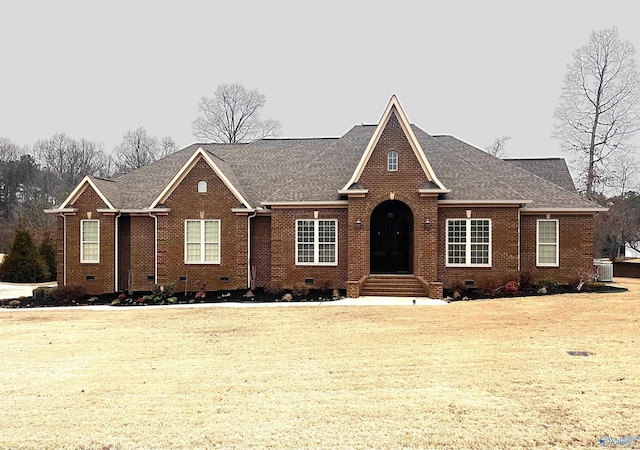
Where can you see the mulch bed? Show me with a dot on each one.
(138, 298)
(261, 296)
(533, 291)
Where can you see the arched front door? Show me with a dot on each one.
(391, 238)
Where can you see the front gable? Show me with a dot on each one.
(408, 161)
(200, 157)
(99, 199)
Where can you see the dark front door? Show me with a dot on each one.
(391, 227)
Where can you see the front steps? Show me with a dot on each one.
(393, 286)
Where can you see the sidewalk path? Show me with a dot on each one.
(17, 290)
(362, 301)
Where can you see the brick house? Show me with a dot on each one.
(384, 208)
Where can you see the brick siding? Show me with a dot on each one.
(77, 272)
(576, 240)
(186, 202)
(261, 250)
(273, 237)
(504, 245)
(285, 273)
(401, 185)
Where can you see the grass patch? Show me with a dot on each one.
(490, 374)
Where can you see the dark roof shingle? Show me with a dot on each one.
(292, 170)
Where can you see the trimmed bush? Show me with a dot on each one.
(69, 294)
(161, 292)
(549, 284)
(44, 295)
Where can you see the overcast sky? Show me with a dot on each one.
(473, 69)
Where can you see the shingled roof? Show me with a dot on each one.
(269, 171)
(551, 169)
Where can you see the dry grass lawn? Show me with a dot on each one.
(484, 374)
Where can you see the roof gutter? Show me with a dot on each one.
(527, 210)
(135, 210)
(484, 202)
(308, 204)
(60, 210)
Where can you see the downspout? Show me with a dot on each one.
(155, 248)
(117, 242)
(64, 249)
(249, 248)
(519, 237)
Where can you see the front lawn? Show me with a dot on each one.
(488, 374)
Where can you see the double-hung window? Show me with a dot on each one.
(90, 241)
(316, 242)
(392, 161)
(202, 241)
(547, 243)
(469, 242)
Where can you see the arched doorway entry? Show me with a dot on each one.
(391, 240)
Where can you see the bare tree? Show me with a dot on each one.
(138, 149)
(621, 174)
(10, 178)
(497, 148)
(69, 159)
(167, 147)
(231, 116)
(8, 150)
(599, 107)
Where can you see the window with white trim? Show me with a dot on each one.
(392, 161)
(547, 253)
(469, 242)
(202, 186)
(90, 241)
(202, 241)
(316, 242)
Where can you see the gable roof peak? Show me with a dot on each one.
(394, 108)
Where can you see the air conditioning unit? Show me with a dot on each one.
(604, 270)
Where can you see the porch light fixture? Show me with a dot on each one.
(358, 224)
(427, 225)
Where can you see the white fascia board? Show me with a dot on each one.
(309, 204)
(434, 191)
(80, 188)
(242, 210)
(134, 210)
(185, 170)
(61, 210)
(353, 191)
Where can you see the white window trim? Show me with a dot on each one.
(202, 186)
(202, 252)
(389, 169)
(468, 243)
(82, 242)
(316, 243)
(538, 243)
